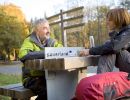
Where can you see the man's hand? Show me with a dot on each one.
(84, 52)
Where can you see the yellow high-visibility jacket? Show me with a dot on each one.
(33, 49)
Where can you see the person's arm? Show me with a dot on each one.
(33, 55)
(26, 52)
(113, 46)
(103, 49)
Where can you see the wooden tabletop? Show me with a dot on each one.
(62, 63)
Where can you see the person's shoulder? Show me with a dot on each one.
(55, 42)
(26, 40)
(52, 40)
(29, 36)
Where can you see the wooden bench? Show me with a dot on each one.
(16, 92)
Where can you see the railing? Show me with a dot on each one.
(70, 21)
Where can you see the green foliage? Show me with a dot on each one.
(10, 32)
(96, 24)
(56, 31)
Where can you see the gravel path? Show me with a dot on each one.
(14, 68)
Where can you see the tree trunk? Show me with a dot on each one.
(8, 53)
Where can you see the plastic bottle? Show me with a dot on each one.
(91, 39)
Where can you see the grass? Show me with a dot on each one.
(6, 79)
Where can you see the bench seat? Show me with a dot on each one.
(16, 92)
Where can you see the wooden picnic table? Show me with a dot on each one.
(62, 74)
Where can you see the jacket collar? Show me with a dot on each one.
(125, 28)
(114, 33)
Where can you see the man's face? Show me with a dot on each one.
(43, 31)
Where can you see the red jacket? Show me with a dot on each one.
(106, 86)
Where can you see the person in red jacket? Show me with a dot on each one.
(106, 86)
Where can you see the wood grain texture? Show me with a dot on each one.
(62, 63)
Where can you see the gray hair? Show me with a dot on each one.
(37, 22)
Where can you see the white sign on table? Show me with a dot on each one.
(62, 52)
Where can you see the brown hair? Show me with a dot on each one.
(119, 16)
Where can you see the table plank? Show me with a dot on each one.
(62, 63)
